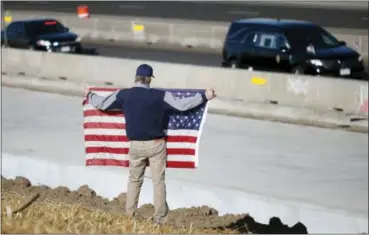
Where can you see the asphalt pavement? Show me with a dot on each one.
(185, 56)
(208, 11)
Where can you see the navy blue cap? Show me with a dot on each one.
(144, 70)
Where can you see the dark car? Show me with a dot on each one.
(292, 46)
(41, 34)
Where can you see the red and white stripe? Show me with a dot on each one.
(106, 143)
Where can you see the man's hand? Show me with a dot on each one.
(85, 90)
(210, 93)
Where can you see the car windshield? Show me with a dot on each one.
(45, 27)
(318, 37)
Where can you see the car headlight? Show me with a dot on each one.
(43, 43)
(316, 62)
(79, 39)
(360, 58)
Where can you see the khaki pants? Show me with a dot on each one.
(140, 152)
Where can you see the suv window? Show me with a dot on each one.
(267, 40)
(327, 40)
(237, 33)
(282, 41)
(315, 35)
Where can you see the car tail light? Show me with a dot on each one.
(50, 22)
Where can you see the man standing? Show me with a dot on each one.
(144, 110)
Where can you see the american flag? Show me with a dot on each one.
(106, 143)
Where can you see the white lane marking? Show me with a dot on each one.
(245, 13)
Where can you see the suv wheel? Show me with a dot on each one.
(297, 70)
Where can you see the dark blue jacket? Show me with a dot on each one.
(144, 109)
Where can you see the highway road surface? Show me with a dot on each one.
(340, 17)
(310, 165)
(186, 56)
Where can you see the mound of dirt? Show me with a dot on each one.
(195, 218)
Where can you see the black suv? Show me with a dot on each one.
(40, 34)
(292, 46)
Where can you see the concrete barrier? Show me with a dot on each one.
(196, 34)
(314, 93)
(317, 4)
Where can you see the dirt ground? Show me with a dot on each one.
(184, 220)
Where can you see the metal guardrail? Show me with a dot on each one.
(183, 33)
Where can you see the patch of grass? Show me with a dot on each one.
(58, 217)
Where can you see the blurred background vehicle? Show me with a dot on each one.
(42, 35)
(298, 47)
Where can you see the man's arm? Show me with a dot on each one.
(106, 103)
(185, 103)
